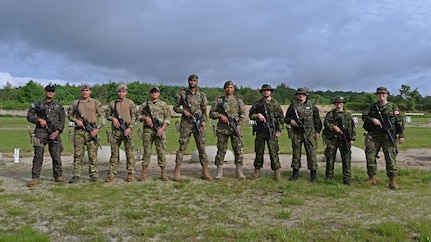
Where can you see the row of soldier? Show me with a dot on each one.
(382, 121)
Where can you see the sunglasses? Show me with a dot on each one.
(154, 91)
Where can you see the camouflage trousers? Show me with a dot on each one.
(82, 139)
(149, 137)
(259, 148)
(222, 140)
(129, 146)
(297, 150)
(186, 130)
(55, 148)
(372, 148)
(332, 144)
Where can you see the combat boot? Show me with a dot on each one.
(256, 173)
(177, 174)
(277, 174)
(205, 173)
(33, 182)
(144, 175)
(313, 176)
(372, 180)
(392, 183)
(295, 175)
(163, 176)
(219, 172)
(130, 178)
(239, 172)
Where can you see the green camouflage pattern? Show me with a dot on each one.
(81, 139)
(129, 146)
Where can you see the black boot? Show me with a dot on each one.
(313, 175)
(295, 175)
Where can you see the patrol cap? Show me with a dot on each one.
(154, 88)
(339, 99)
(122, 87)
(302, 90)
(85, 86)
(193, 76)
(50, 88)
(266, 87)
(383, 90)
(228, 83)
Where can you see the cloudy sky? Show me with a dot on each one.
(349, 45)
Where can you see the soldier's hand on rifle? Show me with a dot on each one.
(187, 114)
(223, 118)
(54, 135)
(94, 132)
(149, 121)
(293, 123)
(400, 140)
(317, 136)
(377, 122)
(261, 117)
(277, 134)
(337, 130)
(202, 128)
(42, 123)
(160, 131)
(115, 122)
(127, 132)
(79, 123)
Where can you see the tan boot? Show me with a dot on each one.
(239, 172)
(392, 183)
(205, 173)
(33, 182)
(219, 172)
(177, 174)
(144, 175)
(163, 176)
(277, 174)
(372, 180)
(130, 178)
(256, 173)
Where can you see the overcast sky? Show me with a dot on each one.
(324, 45)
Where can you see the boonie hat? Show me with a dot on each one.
(154, 87)
(122, 87)
(228, 83)
(85, 86)
(193, 76)
(302, 90)
(266, 87)
(50, 88)
(339, 99)
(383, 90)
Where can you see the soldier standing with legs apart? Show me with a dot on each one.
(156, 116)
(383, 121)
(192, 103)
(305, 126)
(268, 116)
(339, 133)
(86, 113)
(122, 113)
(230, 111)
(48, 115)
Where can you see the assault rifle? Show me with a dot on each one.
(50, 127)
(269, 124)
(195, 119)
(386, 126)
(301, 128)
(233, 124)
(156, 123)
(346, 137)
(88, 127)
(123, 125)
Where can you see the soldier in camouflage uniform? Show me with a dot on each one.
(336, 122)
(158, 111)
(235, 108)
(309, 115)
(91, 110)
(48, 115)
(192, 103)
(268, 115)
(122, 113)
(377, 136)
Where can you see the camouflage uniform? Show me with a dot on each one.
(235, 109)
(376, 138)
(55, 116)
(162, 114)
(335, 141)
(198, 103)
(309, 114)
(275, 114)
(91, 109)
(127, 110)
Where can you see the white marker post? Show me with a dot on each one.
(16, 155)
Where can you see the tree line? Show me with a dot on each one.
(21, 97)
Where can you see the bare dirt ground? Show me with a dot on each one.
(16, 175)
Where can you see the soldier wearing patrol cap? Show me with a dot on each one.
(48, 115)
(383, 134)
(222, 108)
(268, 115)
(339, 133)
(308, 115)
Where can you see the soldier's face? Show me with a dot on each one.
(193, 83)
(382, 96)
(85, 93)
(154, 94)
(301, 97)
(49, 94)
(121, 94)
(228, 90)
(266, 93)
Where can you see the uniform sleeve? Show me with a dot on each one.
(214, 109)
(71, 113)
(178, 108)
(241, 113)
(140, 112)
(99, 113)
(132, 114)
(352, 126)
(289, 115)
(279, 116)
(109, 111)
(253, 111)
(328, 122)
(366, 114)
(31, 114)
(167, 114)
(399, 122)
(316, 120)
(61, 118)
(203, 107)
